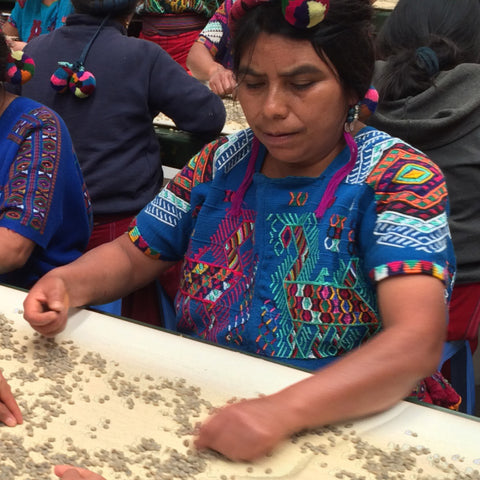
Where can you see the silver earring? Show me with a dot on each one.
(352, 117)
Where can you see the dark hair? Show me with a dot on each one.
(4, 52)
(449, 28)
(100, 8)
(344, 38)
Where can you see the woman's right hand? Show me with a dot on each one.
(222, 81)
(16, 44)
(67, 472)
(10, 414)
(46, 306)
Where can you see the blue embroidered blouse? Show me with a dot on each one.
(276, 280)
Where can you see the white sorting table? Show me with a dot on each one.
(111, 411)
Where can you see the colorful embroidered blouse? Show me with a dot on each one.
(277, 281)
(33, 18)
(216, 35)
(205, 8)
(42, 193)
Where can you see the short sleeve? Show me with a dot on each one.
(406, 224)
(163, 228)
(216, 36)
(13, 18)
(43, 196)
(29, 190)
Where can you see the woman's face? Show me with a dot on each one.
(294, 103)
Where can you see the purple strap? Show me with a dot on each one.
(247, 180)
(329, 195)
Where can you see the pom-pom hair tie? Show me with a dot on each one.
(60, 78)
(298, 13)
(428, 60)
(20, 67)
(304, 13)
(74, 76)
(82, 83)
(369, 104)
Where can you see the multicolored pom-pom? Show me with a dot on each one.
(60, 78)
(304, 13)
(369, 103)
(82, 83)
(298, 13)
(20, 67)
(73, 77)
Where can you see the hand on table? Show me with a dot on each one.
(222, 82)
(46, 306)
(10, 414)
(67, 472)
(246, 430)
(15, 44)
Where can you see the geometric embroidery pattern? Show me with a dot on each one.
(411, 200)
(139, 242)
(322, 313)
(407, 267)
(298, 199)
(425, 194)
(281, 282)
(29, 193)
(217, 276)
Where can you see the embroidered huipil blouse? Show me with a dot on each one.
(279, 282)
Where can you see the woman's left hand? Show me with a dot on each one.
(246, 430)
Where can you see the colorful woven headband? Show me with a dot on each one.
(73, 76)
(20, 68)
(298, 13)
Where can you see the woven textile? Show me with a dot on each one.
(276, 280)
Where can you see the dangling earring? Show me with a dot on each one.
(352, 117)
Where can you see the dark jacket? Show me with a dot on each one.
(112, 130)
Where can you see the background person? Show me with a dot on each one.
(292, 235)
(210, 58)
(112, 128)
(175, 25)
(31, 18)
(45, 212)
(428, 78)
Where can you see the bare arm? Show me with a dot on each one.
(105, 273)
(11, 34)
(370, 379)
(203, 67)
(200, 62)
(15, 250)
(9, 30)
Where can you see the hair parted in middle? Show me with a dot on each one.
(344, 38)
